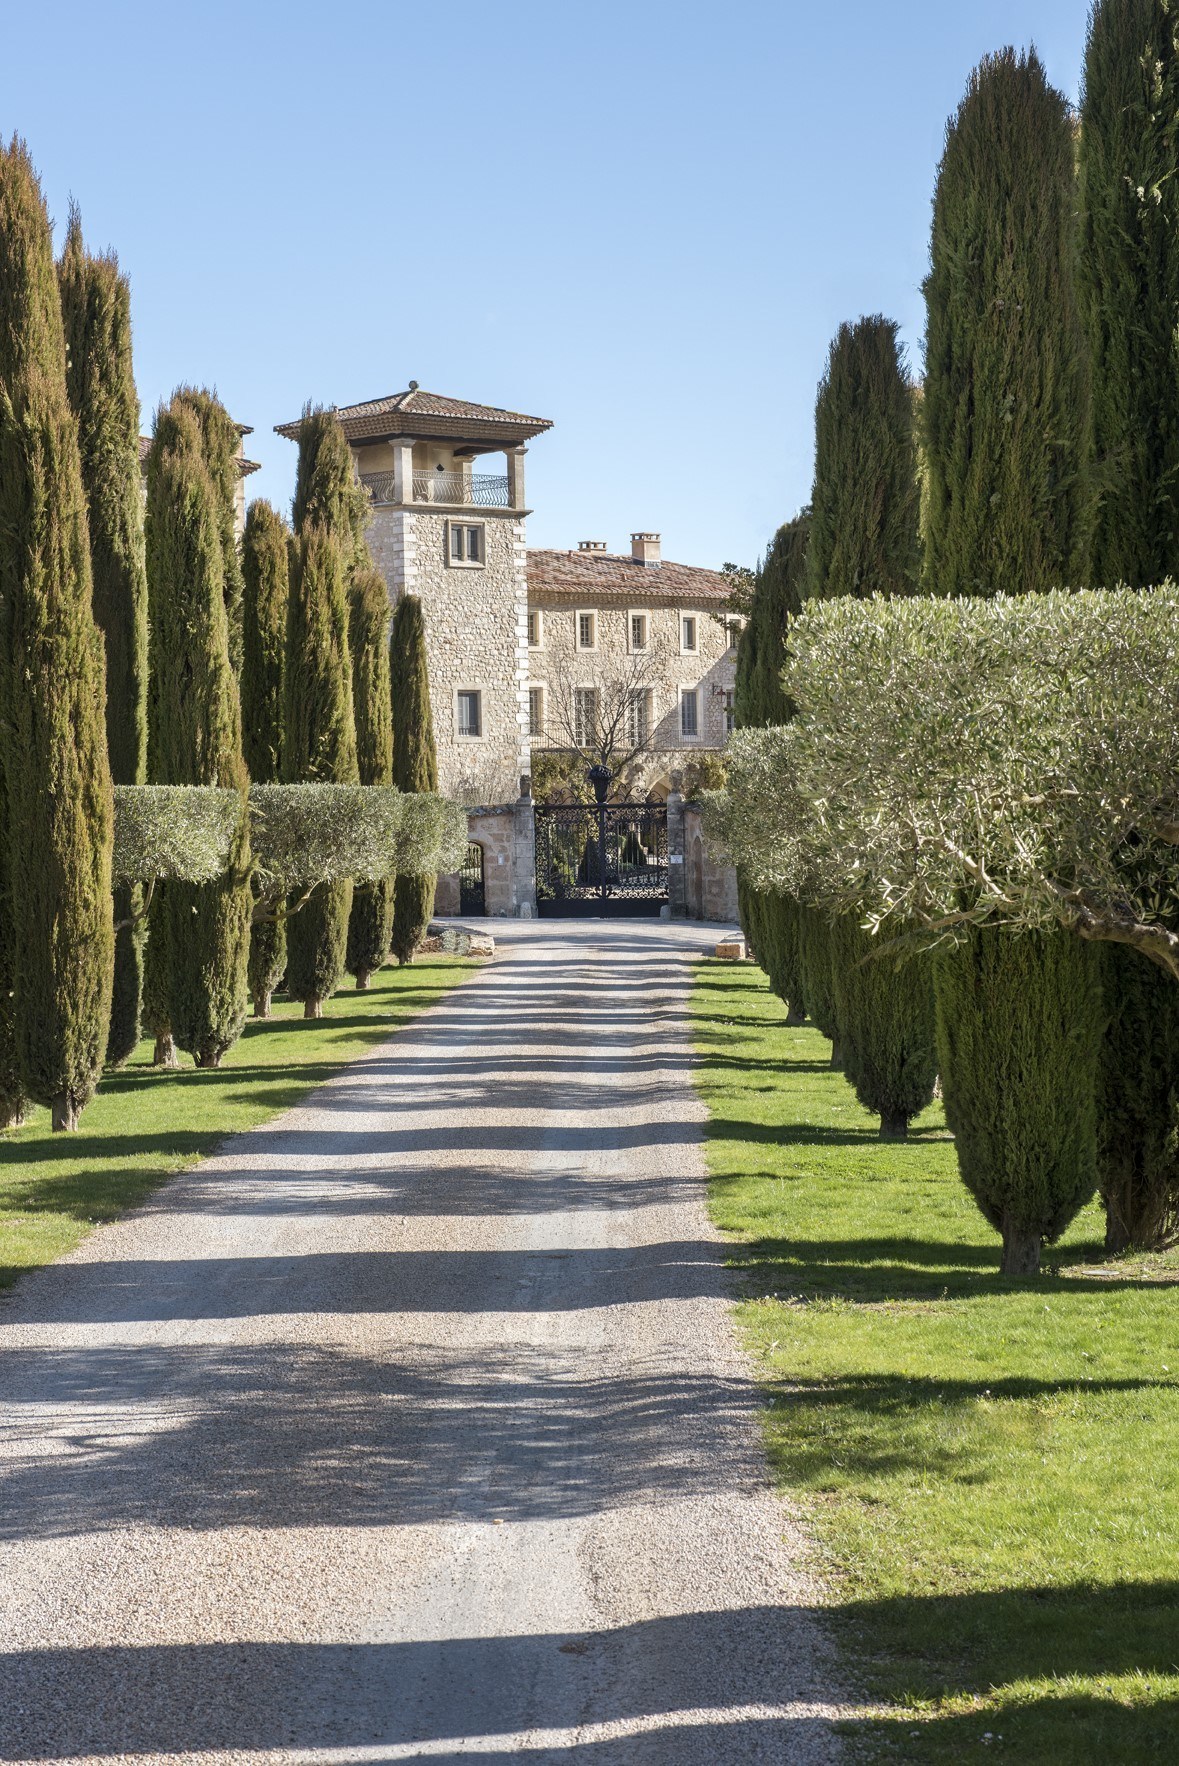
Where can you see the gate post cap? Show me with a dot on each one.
(525, 787)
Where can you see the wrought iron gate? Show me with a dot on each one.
(601, 859)
(472, 891)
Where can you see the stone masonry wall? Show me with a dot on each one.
(710, 883)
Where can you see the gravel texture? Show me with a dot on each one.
(412, 1426)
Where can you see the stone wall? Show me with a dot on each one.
(710, 884)
(507, 834)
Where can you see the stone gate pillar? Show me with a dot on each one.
(524, 851)
(677, 881)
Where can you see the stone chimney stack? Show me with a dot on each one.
(644, 548)
(591, 545)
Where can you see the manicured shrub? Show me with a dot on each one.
(886, 1012)
(1004, 399)
(58, 802)
(266, 591)
(96, 312)
(371, 922)
(319, 744)
(199, 937)
(415, 763)
(1129, 284)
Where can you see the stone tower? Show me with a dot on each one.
(455, 537)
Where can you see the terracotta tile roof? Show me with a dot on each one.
(244, 466)
(417, 412)
(612, 576)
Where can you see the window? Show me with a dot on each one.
(585, 716)
(535, 629)
(638, 631)
(536, 711)
(470, 712)
(733, 632)
(728, 710)
(466, 542)
(638, 718)
(689, 712)
(587, 631)
(688, 633)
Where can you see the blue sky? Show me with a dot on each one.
(642, 220)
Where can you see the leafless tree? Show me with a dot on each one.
(604, 722)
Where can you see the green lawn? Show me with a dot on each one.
(991, 1468)
(145, 1124)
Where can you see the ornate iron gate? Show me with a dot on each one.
(603, 859)
(472, 892)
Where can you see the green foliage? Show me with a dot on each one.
(58, 799)
(182, 832)
(864, 514)
(1005, 388)
(200, 932)
(558, 776)
(96, 314)
(815, 973)
(371, 922)
(1021, 1103)
(1138, 1103)
(266, 591)
(326, 487)
(415, 762)
(761, 652)
(1128, 276)
(220, 447)
(319, 742)
(885, 1014)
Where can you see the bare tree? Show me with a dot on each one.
(606, 722)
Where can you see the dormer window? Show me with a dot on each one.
(466, 543)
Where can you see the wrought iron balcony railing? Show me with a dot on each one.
(482, 490)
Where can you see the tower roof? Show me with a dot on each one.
(416, 412)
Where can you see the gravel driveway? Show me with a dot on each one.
(412, 1425)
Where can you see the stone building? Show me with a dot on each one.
(525, 648)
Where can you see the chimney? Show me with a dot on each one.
(591, 545)
(644, 548)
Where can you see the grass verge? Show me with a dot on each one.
(145, 1124)
(990, 1467)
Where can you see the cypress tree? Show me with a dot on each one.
(370, 926)
(865, 540)
(199, 940)
(327, 489)
(266, 590)
(57, 785)
(1005, 385)
(96, 311)
(220, 441)
(415, 762)
(319, 744)
(1129, 286)
(772, 921)
(864, 522)
(1005, 415)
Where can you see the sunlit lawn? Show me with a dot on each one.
(991, 1469)
(144, 1124)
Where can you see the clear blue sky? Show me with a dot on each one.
(642, 220)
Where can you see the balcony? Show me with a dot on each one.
(479, 490)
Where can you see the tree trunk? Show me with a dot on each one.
(1021, 1250)
(836, 1056)
(64, 1114)
(894, 1126)
(165, 1052)
(12, 1118)
(794, 1017)
(313, 1008)
(261, 1005)
(1117, 1233)
(211, 1058)
(362, 980)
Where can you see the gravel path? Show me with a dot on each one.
(412, 1427)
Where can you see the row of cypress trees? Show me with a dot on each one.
(1049, 455)
(273, 664)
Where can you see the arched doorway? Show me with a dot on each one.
(472, 890)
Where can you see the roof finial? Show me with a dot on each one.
(413, 386)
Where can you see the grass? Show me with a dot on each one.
(144, 1124)
(989, 1467)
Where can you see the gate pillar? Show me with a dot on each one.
(524, 852)
(677, 882)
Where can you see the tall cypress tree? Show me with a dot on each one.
(329, 513)
(370, 926)
(865, 541)
(199, 932)
(96, 311)
(220, 443)
(1129, 285)
(772, 921)
(415, 762)
(57, 785)
(266, 591)
(1005, 384)
(1005, 412)
(319, 744)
